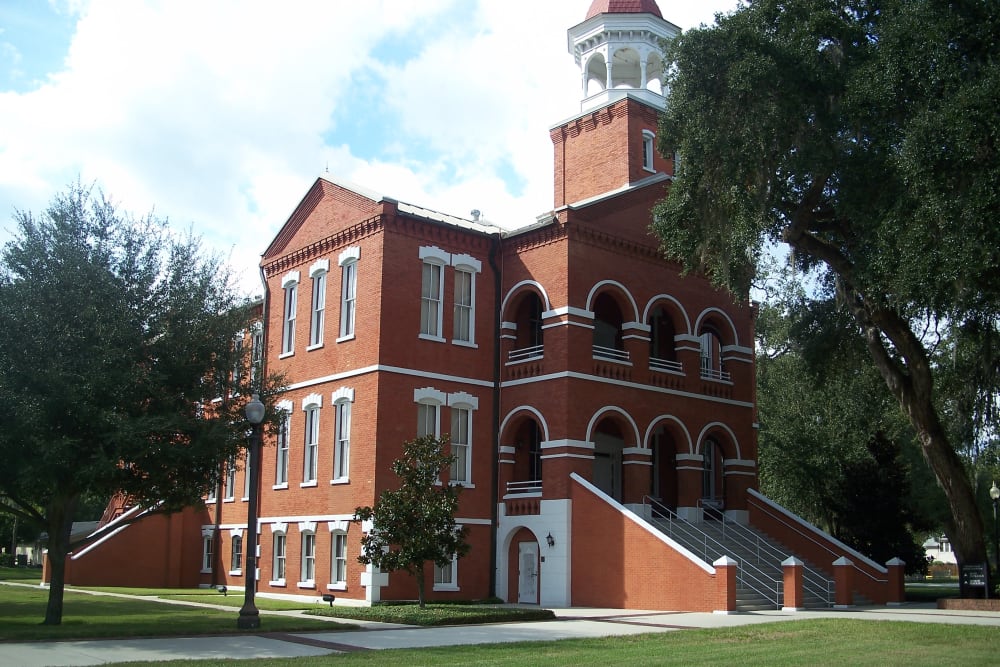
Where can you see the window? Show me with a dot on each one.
(308, 573)
(278, 565)
(284, 427)
(256, 352)
(318, 273)
(427, 419)
(429, 402)
(342, 399)
(647, 150)
(348, 290)
(446, 578)
(310, 458)
(461, 423)
(338, 564)
(464, 281)
(212, 490)
(290, 284)
(229, 487)
(246, 477)
(206, 551)
(236, 560)
(430, 300)
(237, 362)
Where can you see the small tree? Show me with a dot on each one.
(116, 364)
(415, 523)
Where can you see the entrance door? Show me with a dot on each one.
(527, 573)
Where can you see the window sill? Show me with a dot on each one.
(344, 339)
(228, 500)
(339, 586)
(204, 571)
(307, 484)
(310, 348)
(210, 501)
(446, 587)
(432, 338)
(245, 499)
(279, 487)
(465, 343)
(280, 583)
(649, 169)
(285, 355)
(340, 480)
(307, 584)
(467, 485)
(236, 573)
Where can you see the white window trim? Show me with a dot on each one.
(471, 342)
(453, 586)
(286, 408)
(279, 529)
(305, 582)
(340, 584)
(648, 144)
(434, 397)
(344, 396)
(466, 401)
(207, 549)
(318, 272)
(349, 257)
(434, 256)
(236, 535)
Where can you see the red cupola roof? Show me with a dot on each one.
(624, 7)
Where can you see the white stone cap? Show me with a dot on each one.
(725, 561)
(791, 561)
(897, 561)
(843, 560)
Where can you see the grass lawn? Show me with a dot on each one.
(28, 574)
(811, 642)
(435, 614)
(87, 616)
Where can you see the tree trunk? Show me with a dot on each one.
(60, 527)
(420, 586)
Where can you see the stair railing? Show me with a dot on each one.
(748, 575)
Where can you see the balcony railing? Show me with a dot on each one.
(611, 353)
(533, 486)
(665, 365)
(525, 354)
(715, 374)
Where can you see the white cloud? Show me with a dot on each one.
(215, 113)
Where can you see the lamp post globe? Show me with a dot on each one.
(249, 618)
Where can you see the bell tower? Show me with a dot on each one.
(611, 144)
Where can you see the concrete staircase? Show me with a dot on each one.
(760, 575)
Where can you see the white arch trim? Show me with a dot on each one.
(612, 409)
(526, 408)
(518, 286)
(704, 315)
(599, 285)
(710, 426)
(653, 425)
(666, 297)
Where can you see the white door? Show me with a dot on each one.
(527, 573)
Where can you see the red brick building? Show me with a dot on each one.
(596, 399)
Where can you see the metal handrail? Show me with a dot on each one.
(714, 374)
(526, 353)
(610, 353)
(814, 581)
(830, 551)
(666, 365)
(528, 486)
(748, 575)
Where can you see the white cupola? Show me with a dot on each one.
(618, 50)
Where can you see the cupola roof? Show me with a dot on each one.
(624, 7)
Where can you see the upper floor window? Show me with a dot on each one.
(290, 284)
(464, 281)
(318, 273)
(229, 486)
(462, 406)
(342, 400)
(348, 290)
(431, 291)
(310, 458)
(257, 352)
(281, 448)
(647, 150)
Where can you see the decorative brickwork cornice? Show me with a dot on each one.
(325, 246)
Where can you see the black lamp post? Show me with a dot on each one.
(249, 616)
(995, 496)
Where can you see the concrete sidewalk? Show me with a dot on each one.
(570, 623)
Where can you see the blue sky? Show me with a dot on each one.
(219, 114)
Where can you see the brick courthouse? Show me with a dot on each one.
(587, 388)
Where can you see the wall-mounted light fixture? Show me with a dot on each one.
(551, 540)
